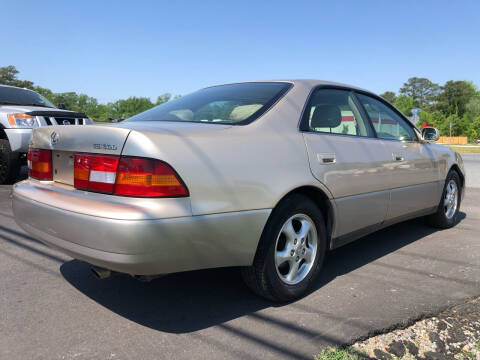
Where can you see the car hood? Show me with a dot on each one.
(24, 109)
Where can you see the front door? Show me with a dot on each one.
(414, 173)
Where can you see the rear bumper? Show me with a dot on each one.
(19, 139)
(143, 246)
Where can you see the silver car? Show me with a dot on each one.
(266, 176)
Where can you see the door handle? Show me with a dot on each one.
(397, 157)
(326, 158)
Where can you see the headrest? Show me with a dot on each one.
(326, 116)
(244, 111)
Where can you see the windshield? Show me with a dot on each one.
(225, 104)
(17, 96)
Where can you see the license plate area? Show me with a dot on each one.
(62, 162)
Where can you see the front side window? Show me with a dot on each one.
(334, 111)
(224, 104)
(388, 124)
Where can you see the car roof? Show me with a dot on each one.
(313, 82)
(304, 82)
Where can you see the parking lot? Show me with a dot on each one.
(51, 307)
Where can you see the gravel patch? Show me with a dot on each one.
(452, 334)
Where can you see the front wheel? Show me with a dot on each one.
(447, 211)
(9, 163)
(291, 251)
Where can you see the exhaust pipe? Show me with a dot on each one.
(147, 278)
(101, 273)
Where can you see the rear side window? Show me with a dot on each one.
(388, 124)
(334, 111)
(224, 104)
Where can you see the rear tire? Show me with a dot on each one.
(291, 251)
(447, 212)
(9, 163)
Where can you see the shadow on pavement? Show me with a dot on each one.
(190, 301)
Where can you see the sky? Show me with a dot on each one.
(116, 49)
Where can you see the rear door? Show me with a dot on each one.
(347, 159)
(413, 171)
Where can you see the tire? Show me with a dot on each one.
(444, 218)
(9, 163)
(271, 276)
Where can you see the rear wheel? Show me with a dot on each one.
(447, 211)
(290, 252)
(9, 163)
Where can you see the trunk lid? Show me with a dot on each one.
(65, 141)
(109, 139)
(102, 139)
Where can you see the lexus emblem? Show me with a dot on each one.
(54, 138)
(66, 122)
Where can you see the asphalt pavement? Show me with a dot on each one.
(472, 163)
(51, 307)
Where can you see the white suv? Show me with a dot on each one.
(21, 110)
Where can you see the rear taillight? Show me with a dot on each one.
(40, 164)
(95, 172)
(103, 173)
(147, 178)
(127, 176)
(81, 170)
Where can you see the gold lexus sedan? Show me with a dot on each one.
(266, 176)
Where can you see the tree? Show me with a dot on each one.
(421, 90)
(8, 76)
(459, 127)
(84, 103)
(404, 103)
(163, 98)
(424, 117)
(123, 109)
(472, 125)
(389, 96)
(455, 97)
(473, 106)
(440, 121)
(472, 119)
(44, 92)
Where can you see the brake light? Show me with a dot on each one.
(102, 173)
(127, 176)
(95, 172)
(40, 164)
(81, 170)
(147, 178)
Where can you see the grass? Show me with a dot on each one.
(341, 354)
(469, 355)
(466, 356)
(465, 149)
(350, 353)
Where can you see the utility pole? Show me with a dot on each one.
(450, 131)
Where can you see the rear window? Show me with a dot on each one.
(17, 96)
(224, 104)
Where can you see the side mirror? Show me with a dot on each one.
(430, 134)
(61, 106)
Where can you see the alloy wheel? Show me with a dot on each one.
(295, 249)
(450, 201)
